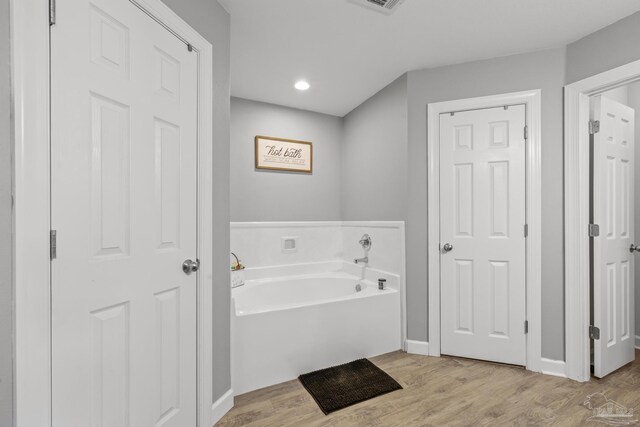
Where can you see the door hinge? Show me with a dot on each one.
(526, 132)
(594, 230)
(526, 326)
(52, 12)
(53, 244)
(594, 332)
(189, 47)
(594, 127)
(526, 230)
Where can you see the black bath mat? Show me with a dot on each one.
(345, 385)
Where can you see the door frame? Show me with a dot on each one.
(577, 199)
(532, 100)
(31, 194)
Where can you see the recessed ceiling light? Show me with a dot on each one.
(302, 85)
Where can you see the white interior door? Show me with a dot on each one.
(613, 211)
(123, 149)
(482, 214)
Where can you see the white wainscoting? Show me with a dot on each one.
(259, 244)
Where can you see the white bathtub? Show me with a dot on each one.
(283, 327)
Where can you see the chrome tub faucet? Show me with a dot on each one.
(365, 242)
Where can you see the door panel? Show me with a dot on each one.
(482, 202)
(613, 210)
(124, 157)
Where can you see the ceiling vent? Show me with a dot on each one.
(384, 6)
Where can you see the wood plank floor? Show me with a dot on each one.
(445, 391)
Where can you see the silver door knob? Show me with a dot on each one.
(634, 248)
(190, 266)
(447, 247)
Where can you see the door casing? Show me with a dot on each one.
(532, 100)
(31, 192)
(577, 200)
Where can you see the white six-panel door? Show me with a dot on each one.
(482, 211)
(613, 211)
(124, 156)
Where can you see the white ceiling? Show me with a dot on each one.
(348, 52)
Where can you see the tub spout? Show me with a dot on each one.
(364, 260)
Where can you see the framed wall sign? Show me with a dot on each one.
(283, 154)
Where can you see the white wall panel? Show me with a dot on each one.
(260, 244)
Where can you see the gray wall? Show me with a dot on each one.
(213, 22)
(259, 195)
(540, 70)
(610, 47)
(374, 157)
(6, 261)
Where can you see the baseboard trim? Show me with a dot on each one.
(556, 368)
(417, 347)
(221, 406)
(637, 342)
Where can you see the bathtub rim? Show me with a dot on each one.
(370, 291)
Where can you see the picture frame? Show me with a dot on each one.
(280, 154)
